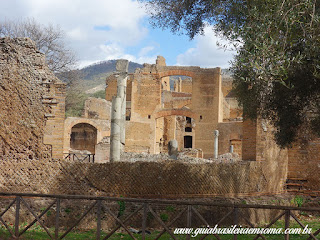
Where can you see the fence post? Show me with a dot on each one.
(99, 220)
(56, 233)
(287, 224)
(189, 220)
(235, 221)
(144, 220)
(16, 223)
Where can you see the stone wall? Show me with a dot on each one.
(160, 179)
(258, 145)
(304, 167)
(230, 133)
(32, 103)
(97, 108)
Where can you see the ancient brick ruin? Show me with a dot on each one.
(163, 103)
(160, 109)
(32, 103)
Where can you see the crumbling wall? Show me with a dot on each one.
(304, 167)
(139, 136)
(32, 103)
(97, 108)
(230, 133)
(160, 179)
(258, 145)
(186, 85)
(148, 99)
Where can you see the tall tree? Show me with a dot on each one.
(277, 67)
(48, 39)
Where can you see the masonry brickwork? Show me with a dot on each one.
(97, 113)
(32, 103)
(151, 98)
(304, 167)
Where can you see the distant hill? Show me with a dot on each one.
(105, 67)
(87, 82)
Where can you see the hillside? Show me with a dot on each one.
(88, 82)
(93, 70)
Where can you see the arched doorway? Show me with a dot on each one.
(83, 137)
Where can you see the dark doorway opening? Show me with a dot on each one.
(187, 141)
(188, 129)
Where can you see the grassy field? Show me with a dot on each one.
(38, 234)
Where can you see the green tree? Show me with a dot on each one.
(277, 67)
(76, 96)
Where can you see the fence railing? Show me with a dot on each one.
(188, 212)
(79, 157)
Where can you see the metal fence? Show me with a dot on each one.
(188, 212)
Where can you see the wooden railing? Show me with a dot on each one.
(144, 207)
(79, 157)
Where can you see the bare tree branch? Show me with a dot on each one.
(48, 39)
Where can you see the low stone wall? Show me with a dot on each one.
(166, 179)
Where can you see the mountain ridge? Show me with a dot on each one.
(108, 66)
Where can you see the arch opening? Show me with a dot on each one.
(176, 83)
(83, 136)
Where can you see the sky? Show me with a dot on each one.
(99, 30)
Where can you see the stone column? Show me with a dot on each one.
(216, 139)
(115, 130)
(231, 149)
(122, 76)
(173, 149)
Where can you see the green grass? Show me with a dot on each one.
(87, 235)
(36, 233)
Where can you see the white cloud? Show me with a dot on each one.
(77, 34)
(115, 51)
(206, 53)
(144, 51)
(80, 19)
(106, 29)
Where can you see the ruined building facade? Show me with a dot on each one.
(170, 102)
(32, 103)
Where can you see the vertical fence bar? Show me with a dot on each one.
(16, 222)
(144, 220)
(56, 230)
(235, 221)
(189, 219)
(287, 224)
(99, 220)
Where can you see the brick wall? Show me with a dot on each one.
(249, 141)
(304, 165)
(32, 103)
